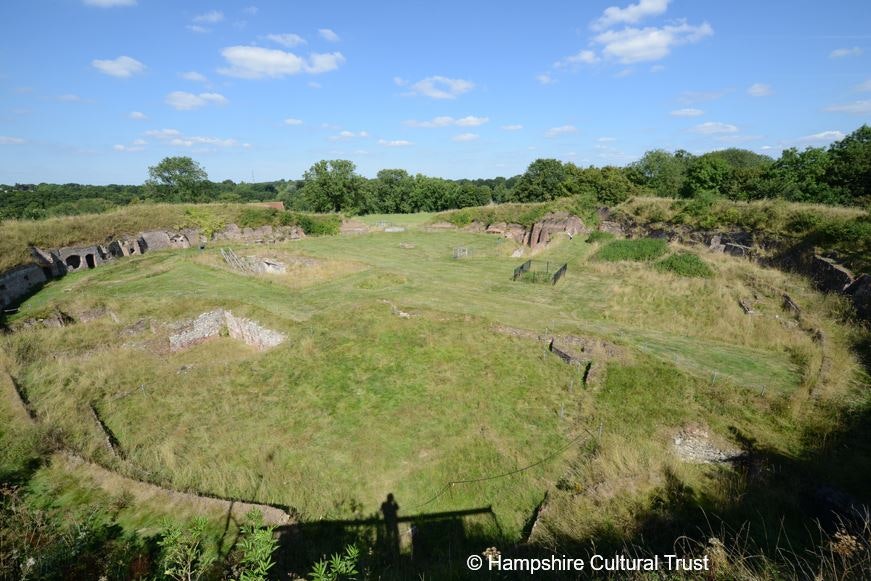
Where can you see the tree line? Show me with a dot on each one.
(839, 174)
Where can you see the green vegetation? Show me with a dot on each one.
(405, 369)
(17, 235)
(685, 264)
(599, 236)
(839, 174)
(642, 249)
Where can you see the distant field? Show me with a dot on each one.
(360, 402)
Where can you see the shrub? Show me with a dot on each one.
(642, 249)
(312, 224)
(685, 264)
(599, 236)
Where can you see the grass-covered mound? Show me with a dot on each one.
(685, 264)
(17, 235)
(523, 214)
(599, 236)
(641, 249)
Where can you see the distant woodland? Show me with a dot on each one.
(838, 175)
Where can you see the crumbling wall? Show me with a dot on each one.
(252, 333)
(211, 323)
(204, 327)
(19, 283)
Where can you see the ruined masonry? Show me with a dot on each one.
(212, 323)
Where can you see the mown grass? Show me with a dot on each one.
(361, 402)
(640, 250)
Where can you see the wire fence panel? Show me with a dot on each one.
(518, 272)
(560, 273)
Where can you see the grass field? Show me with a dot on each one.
(360, 402)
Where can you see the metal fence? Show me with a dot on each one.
(539, 271)
(559, 273)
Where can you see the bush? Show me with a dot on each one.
(642, 249)
(685, 264)
(599, 237)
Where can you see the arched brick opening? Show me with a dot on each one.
(89, 260)
(73, 261)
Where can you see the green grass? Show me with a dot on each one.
(642, 249)
(685, 264)
(360, 402)
(599, 236)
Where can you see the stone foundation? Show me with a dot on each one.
(212, 323)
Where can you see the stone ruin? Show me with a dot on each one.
(212, 324)
(539, 234)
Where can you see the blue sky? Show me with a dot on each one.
(95, 91)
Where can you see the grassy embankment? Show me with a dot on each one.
(360, 402)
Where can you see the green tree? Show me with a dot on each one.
(334, 186)
(544, 180)
(393, 192)
(177, 179)
(707, 174)
(661, 171)
(849, 167)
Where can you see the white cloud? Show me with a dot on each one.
(163, 133)
(197, 28)
(561, 130)
(212, 17)
(517, 127)
(184, 101)
(121, 67)
(688, 112)
(714, 127)
(69, 98)
(441, 87)
(137, 145)
(194, 76)
(584, 57)
(175, 138)
(394, 143)
(346, 135)
(632, 45)
(856, 107)
(292, 121)
(545, 79)
(759, 90)
(690, 97)
(400, 81)
(287, 39)
(864, 87)
(251, 10)
(631, 14)
(446, 121)
(823, 136)
(137, 116)
(109, 3)
(606, 139)
(463, 137)
(254, 62)
(328, 35)
(839, 53)
(8, 140)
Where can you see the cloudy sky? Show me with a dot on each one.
(95, 91)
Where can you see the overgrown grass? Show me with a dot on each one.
(437, 396)
(844, 230)
(599, 236)
(685, 264)
(523, 214)
(17, 235)
(642, 249)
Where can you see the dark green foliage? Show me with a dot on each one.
(544, 180)
(641, 249)
(339, 567)
(176, 179)
(599, 236)
(256, 548)
(685, 264)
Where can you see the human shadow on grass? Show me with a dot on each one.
(392, 545)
